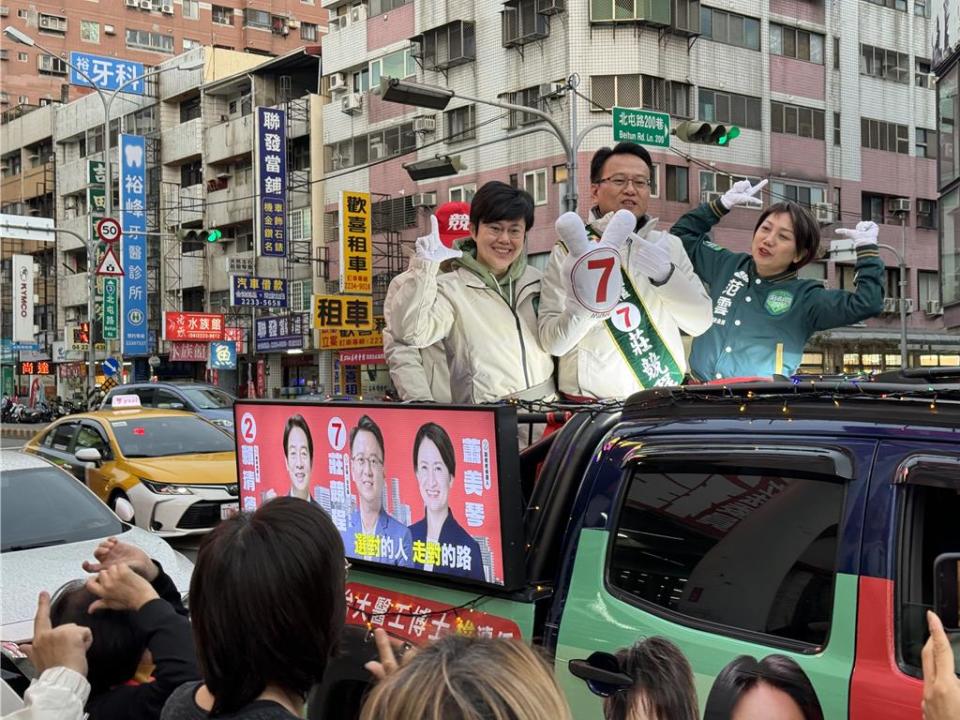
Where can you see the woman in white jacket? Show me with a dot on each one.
(484, 310)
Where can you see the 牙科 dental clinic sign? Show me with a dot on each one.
(22, 298)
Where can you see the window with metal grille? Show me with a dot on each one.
(795, 43)
(796, 120)
(667, 96)
(880, 135)
(609, 90)
(742, 110)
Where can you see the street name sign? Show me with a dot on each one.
(645, 127)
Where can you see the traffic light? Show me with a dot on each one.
(199, 236)
(704, 133)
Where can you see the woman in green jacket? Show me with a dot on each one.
(763, 313)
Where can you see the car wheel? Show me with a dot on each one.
(121, 495)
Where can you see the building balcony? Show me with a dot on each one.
(181, 142)
(72, 176)
(230, 206)
(340, 44)
(73, 290)
(80, 224)
(229, 139)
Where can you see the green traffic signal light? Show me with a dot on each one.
(213, 235)
(732, 132)
(705, 133)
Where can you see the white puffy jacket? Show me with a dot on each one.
(490, 338)
(591, 364)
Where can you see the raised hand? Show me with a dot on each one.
(743, 193)
(386, 649)
(591, 271)
(864, 234)
(941, 686)
(112, 552)
(430, 247)
(653, 257)
(120, 588)
(61, 646)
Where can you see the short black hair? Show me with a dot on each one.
(267, 602)
(367, 423)
(297, 421)
(601, 156)
(118, 643)
(497, 201)
(661, 672)
(806, 230)
(439, 437)
(744, 673)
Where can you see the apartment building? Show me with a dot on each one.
(207, 180)
(834, 99)
(944, 34)
(27, 188)
(146, 31)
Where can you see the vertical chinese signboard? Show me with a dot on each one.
(343, 312)
(356, 251)
(22, 286)
(110, 324)
(271, 162)
(133, 219)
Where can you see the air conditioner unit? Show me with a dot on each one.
(909, 302)
(358, 13)
(934, 307)
(132, 3)
(425, 199)
(890, 305)
(167, 8)
(352, 104)
(426, 123)
(551, 7)
(146, 4)
(109, 30)
(823, 212)
(338, 82)
(932, 81)
(376, 152)
(291, 23)
(334, 25)
(898, 205)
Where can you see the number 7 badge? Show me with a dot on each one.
(591, 271)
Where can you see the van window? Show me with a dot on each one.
(928, 528)
(754, 550)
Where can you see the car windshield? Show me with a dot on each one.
(163, 436)
(45, 506)
(208, 398)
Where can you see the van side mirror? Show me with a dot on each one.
(123, 509)
(89, 455)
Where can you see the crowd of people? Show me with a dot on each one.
(267, 611)
(471, 321)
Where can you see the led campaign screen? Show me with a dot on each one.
(409, 487)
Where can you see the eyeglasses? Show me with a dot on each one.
(373, 463)
(515, 232)
(621, 181)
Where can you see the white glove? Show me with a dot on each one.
(429, 247)
(864, 234)
(591, 271)
(743, 193)
(653, 257)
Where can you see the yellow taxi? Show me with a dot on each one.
(177, 470)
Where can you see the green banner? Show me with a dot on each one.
(96, 200)
(7, 381)
(110, 309)
(96, 172)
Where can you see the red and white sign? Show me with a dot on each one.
(108, 230)
(596, 280)
(236, 334)
(363, 357)
(109, 264)
(189, 351)
(197, 327)
(420, 620)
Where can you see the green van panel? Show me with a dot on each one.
(595, 620)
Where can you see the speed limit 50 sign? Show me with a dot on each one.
(108, 230)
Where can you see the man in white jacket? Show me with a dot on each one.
(637, 345)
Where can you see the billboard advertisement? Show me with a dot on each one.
(271, 172)
(133, 219)
(411, 488)
(22, 286)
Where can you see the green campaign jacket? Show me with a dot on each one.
(752, 315)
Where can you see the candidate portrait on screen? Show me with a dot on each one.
(371, 533)
(298, 456)
(440, 544)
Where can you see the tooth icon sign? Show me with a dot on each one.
(133, 155)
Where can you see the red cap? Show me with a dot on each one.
(453, 219)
